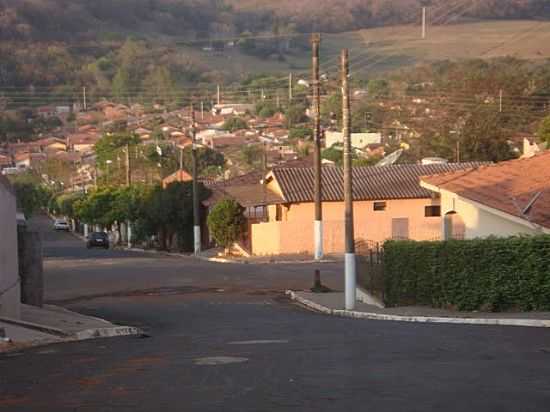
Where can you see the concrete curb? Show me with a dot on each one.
(532, 323)
(230, 261)
(112, 332)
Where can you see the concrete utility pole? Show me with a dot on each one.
(424, 22)
(350, 263)
(315, 83)
(290, 94)
(128, 183)
(84, 99)
(219, 94)
(202, 110)
(128, 167)
(500, 95)
(196, 216)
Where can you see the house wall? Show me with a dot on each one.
(9, 270)
(294, 232)
(479, 222)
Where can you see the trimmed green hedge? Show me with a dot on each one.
(494, 274)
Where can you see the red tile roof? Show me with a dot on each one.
(508, 186)
(369, 183)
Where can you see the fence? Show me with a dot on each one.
(370, 265)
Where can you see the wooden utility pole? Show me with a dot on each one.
(350, 263)
(315, 83)
(424, 22)
(196, 205)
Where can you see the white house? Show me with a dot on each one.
(358, 140)
(505, 199)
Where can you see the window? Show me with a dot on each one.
(432, 211)
(279, 213)
(380, 206)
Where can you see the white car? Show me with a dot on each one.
(61, 224)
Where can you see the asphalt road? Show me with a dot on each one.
(283, 358)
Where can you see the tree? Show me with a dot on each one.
(234, 123)
(543, 131)
(252, 154)
(169, 212)
(30, 196)
(296, 114)
(265, 109)
(300, 133)
(110, 148)
(378, 88)
(226, 222)
(206, 159)
(122, 85)
(160, 84)
(97, 207)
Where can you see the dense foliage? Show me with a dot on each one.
(226, 222)
(30, 193)
(492, 274)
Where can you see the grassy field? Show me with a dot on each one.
(384, 49)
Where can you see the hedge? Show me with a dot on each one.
(495, 274)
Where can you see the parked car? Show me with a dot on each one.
(98, 239)
(61, 224)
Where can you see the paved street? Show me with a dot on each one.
(222, 338)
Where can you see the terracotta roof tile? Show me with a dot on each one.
(369, 183)
(508, 186)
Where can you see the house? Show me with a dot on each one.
(46, 112)
(506, 199)
(10, 295)
(179, 176)
(83, 142)
(235, 109)
(389, 204)
(358, 140)
(29, 160)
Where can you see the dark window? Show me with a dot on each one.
(380, 206)
(432, 211)
(279, 213)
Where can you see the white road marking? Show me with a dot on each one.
(258, 342)
(219, 360)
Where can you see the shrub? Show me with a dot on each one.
(492, 274)
(226, 222)
(234, 123)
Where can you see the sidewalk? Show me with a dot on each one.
(53, 324)
(333, 304)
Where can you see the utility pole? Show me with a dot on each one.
(350, 263)
(196, 216)
(202, 110)
(84, 99)
(278, 99)
(128, 183)
(128, 166)
(219, 94)
(315, 83)
(424, 23)
(290, 96)
(501, 93)
(181, 158)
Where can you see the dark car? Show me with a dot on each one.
(98, 239)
